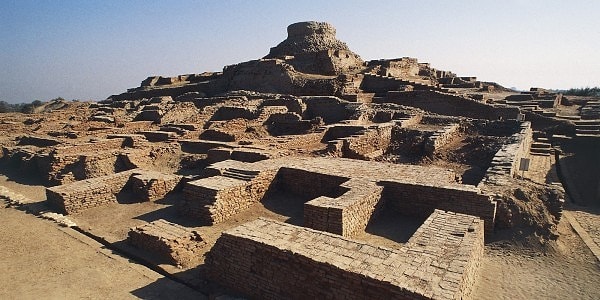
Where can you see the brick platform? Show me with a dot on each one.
(271, 260)
(80, 195)
(174, 243)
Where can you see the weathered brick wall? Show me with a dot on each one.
(507, 160)
(348, 214)
(80, 195)
(266, 259)
(331, 109)
(169, 241)
(422, 199)
(215, 199)
(151, 186)
(309, 184)
(440, 138)
(452, 105)
(369, 144)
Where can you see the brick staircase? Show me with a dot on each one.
(540, 146)
(587, 128)
(246, 175)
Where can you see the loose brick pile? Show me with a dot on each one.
(151, 186)
(174, 243)
(348, 214)
(271, 260)
(80, 195)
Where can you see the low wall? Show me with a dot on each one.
(80, 195)
(440, 138)
(265, 259)
(151, 186)
(169, 241)
(215, 199)
(507, 160)
(452, 105)
(348, 214)
(421, 200)
(309, 184)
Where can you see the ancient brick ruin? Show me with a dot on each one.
(268, 179)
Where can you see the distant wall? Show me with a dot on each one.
(450, 105)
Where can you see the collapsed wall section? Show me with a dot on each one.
(271, 260)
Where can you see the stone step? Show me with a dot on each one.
(245, 172)
(540, 145)
(541, 150)
(585, 131)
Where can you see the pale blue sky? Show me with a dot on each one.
(91, 49)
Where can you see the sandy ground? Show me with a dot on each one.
(40, 260)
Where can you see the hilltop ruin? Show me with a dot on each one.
(274, 178)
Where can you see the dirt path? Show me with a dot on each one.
(572, 272)
(40, 260)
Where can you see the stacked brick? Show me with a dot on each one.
(169, 241)
(422, 199)
(271, 260)
(151, 186)
(348, 214)
(368, 144)
(215, 199)
(70, 163)
(507, 160)
(80, 195)
(440, 138)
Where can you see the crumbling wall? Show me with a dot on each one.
(331, 109)
(169, 241)
(452, 105)
(440, 138)
(80, 195)
(266, 259)
(151, 186)
(507, 160)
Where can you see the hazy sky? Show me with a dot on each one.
(92, 49)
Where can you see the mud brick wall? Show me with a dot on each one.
(440, 138)
(151, 186)
(105, 144)
(68, 168)
(266, 259)
(169, 241)
(451, 105)
(348, 214)
(215, 199)
(455, 244)
(331, 109)
(80, 195)
(507, 160)
(368, 144)
(421, 200)
(309, 184)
